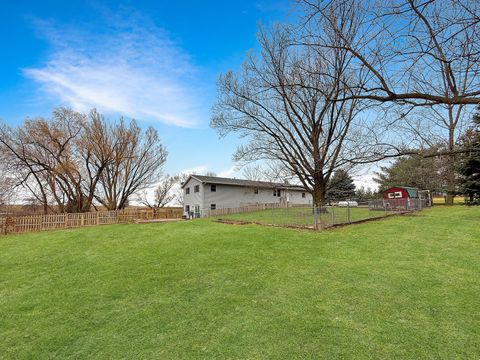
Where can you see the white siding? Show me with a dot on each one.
(233, 196)
(193, 198)
(228, 196)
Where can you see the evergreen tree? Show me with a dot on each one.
(365, 194)
(341, 186)
(426, 173)
(469, 168)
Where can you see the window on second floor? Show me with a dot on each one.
(255, 191)
(213, 188)
(303, 195)
(187, 191)
(196, 188)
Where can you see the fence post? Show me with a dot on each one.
(348, 212)
(98, 218)
(315, 216)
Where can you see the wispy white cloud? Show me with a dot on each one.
(231, 171)
(130, 67)
(200, 169)
(365, 180)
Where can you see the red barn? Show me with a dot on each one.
(402, 197)
(401, 192)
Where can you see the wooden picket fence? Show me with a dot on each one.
(32, 223)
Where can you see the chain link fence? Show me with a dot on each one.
(317, 217)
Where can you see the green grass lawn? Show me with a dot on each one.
(405, 287)
(303, 216)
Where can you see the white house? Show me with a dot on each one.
(202, 193)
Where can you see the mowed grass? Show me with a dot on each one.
(303, 216)
(405, 287)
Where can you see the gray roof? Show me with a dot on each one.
(242, 182)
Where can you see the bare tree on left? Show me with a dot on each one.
(63, 161)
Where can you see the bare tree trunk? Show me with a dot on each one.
(318, 194)
(450, 168)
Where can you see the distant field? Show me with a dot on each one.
(303, 216)
(456, 200)
(405, 287)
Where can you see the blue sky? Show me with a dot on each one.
(155, 61)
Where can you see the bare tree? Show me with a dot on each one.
(415, 52)
(7, 187)
(44, 151)
(435, 131)
(136, 164)
(286, 103)
(65, 159)
(13, 148)
(163, 193)
(418, 55)
(178, 191)
(253, 173)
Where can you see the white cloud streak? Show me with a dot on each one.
(231, 171)
(132, 69)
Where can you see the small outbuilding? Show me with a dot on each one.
(403, 198)
(401, 192)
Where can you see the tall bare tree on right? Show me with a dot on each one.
(287, 104)
(417, 54)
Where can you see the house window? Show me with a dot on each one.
(255, 191)
(187, 191)
(278, 192)
(213, 206)
(274, 192)
(187, 208)
(196, 188)
(398, 194)
(213, 188)
(303, 195)
(391, 195)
